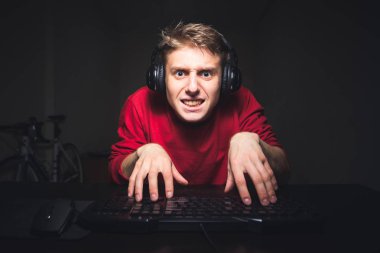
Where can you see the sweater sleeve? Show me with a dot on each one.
(252, 119)
(131, 136)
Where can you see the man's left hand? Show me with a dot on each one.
(246, 156)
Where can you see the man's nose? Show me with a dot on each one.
(193, 84)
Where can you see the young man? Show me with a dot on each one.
(194, 124)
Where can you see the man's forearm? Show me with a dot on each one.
(277, 160)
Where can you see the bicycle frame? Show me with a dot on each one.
(56, 162)
(28, 161)
(58, 150)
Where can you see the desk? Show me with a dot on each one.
(353, 225)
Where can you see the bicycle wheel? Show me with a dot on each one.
(9, 168)
(15, 168)
(69, 164)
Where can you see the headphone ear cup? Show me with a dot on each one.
(235, 77)
(231, 79)
(225, 74)
(150, 77)
(161, 87)
(155, 77)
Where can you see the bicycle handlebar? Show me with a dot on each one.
(15, 127)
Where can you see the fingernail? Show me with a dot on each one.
(137, 197)
(247, 201)
(169, 194)
(273, 199)
(153, 196)
(265, 202)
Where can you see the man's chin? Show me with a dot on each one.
(192, 118)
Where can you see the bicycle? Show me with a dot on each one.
(65, 164)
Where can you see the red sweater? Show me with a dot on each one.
(199, 151)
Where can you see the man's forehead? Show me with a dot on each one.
(191, 56)
(197, 67)
(202, 50)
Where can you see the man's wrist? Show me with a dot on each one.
(244, 135)
(139, 151)
(142, 149)
(128, 164)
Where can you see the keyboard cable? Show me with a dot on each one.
(209, 240)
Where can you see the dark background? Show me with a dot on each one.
(313, 65)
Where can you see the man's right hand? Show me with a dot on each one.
(152, 159)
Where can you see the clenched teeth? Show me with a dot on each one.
(193, 102)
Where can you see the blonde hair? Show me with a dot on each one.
(193, 34)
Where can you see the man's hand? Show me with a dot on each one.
(247, 156)
(151, 160)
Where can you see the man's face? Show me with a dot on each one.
(193, 80)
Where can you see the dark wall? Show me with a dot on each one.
(312, 64)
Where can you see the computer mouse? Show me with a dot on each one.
(52, 217)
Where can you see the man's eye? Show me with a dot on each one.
(180, 73)
(206, 74)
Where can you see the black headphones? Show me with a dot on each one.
(231, 75)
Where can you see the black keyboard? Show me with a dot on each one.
(190, 212)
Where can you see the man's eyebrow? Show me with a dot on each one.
(198, 69)
(211, 69)
(177, 67)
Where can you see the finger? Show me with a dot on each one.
(273, 177)
(178, 177)
(267, 180)
(241, 185)
(168, 181)
(153, 184)
(131, 186)
(141, 175)
(259, 185)
(269, 170)
(132, 179)
(230, 180)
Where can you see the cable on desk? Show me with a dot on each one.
(211, 242)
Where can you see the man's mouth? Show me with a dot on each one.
(192, 102)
